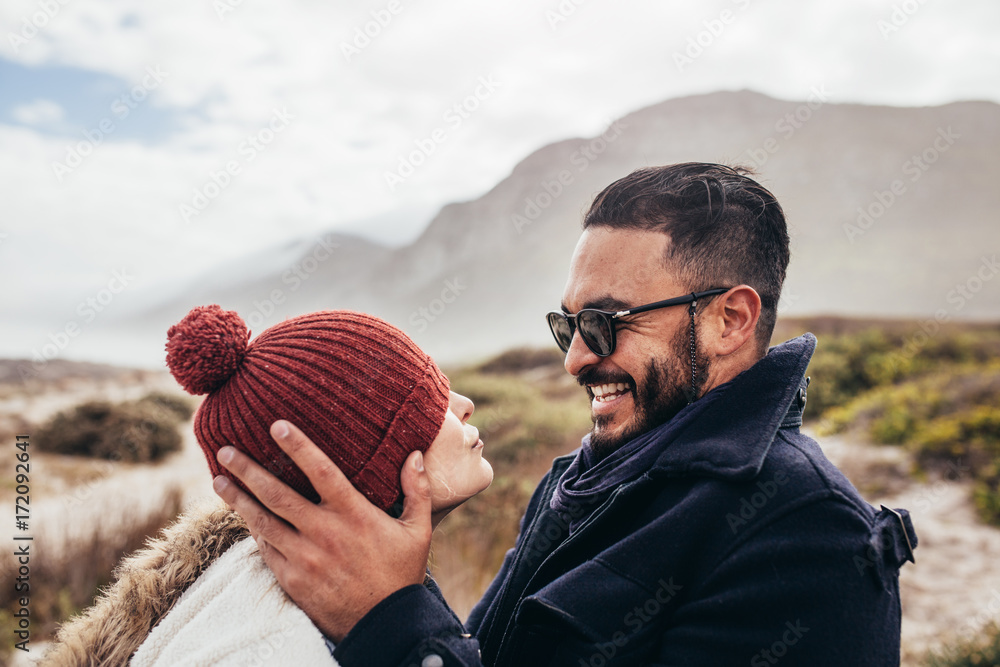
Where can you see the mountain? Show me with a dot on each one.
(892, 212)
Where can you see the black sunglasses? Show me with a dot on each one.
(597, 327)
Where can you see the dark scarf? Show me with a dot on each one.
(589, 480)
(760, 395)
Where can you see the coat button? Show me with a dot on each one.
(433, 660)
(802, 398)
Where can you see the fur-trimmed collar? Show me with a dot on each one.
(147, 585)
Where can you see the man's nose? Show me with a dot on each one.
(579, 356)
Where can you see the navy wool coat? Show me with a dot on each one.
(742, 545)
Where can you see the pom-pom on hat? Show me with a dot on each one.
(357, 386)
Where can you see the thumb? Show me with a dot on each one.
(416, 493)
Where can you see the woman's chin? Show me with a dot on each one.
(441, 506)
(487, 475)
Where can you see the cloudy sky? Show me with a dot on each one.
(160, 139)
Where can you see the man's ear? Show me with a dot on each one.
(734, 319)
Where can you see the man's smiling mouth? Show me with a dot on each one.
(604, 393)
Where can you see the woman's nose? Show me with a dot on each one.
(462, 406)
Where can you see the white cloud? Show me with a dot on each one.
(354, 119)
(39, 112)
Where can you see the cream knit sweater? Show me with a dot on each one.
(235, 614)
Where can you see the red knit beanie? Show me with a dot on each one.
(357, 386)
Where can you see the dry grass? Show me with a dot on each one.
(65, 578)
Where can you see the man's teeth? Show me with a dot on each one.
(607, 392)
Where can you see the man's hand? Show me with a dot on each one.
(340, 558)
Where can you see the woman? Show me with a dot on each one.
(201, 594)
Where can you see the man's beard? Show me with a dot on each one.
(665, 391)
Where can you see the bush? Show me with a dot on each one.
(138, 431)
(847, 366)
(940, 400)
(986, 494)
(180, 406)
(903, 410)
(523, 359)
(983, 651)
(972, 434)
(490, 391)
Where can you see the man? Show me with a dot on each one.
(696, 525)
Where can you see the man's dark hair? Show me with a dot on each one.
(725, 229)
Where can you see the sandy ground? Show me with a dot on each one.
(953, 589)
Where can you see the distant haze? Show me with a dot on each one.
(892, 213)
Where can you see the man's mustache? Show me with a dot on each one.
(603, 376)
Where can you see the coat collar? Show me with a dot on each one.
(732, 436)
(150, 582)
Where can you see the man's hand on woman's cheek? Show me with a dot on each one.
(340, 558)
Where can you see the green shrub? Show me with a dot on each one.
(523, 359)
(982, 651)
(900, 410)
(76, 432)
(971, 433)
(940, 398)
(180, 406)
(137, 431)
(894, 426)
(891, 413)
(846, 366)
(986, 493)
